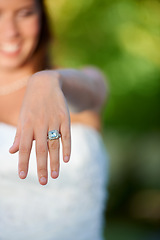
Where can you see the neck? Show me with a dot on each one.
(7, 77)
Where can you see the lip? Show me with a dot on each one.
(10, 50)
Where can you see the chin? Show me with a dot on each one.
(13, 64)
(9, 67)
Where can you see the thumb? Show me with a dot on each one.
(15, 146)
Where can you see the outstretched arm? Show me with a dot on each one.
(45, 108)
(85, 89)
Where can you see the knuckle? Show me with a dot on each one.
(27, 123)
(24, 149)
(54, 144)
(42, 169)
(23, 165)
(66, 136)
(54, 165)
(41, 149)
(63, 115)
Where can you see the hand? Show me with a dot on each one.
(44, 108)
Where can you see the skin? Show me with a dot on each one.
(51, 88)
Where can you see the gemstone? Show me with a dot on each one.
(54, 134)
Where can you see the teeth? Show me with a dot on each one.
(10, 47)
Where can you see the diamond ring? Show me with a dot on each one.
(53, 134)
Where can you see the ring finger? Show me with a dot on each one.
(53, 146)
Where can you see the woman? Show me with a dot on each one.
(33, 102)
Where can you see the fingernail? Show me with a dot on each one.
(43, 180)
(54, 174)
(66, 158)
(22, 174)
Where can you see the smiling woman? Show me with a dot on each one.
(19, 27)
(35, 102)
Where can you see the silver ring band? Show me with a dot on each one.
(53, 135)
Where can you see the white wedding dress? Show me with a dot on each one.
(68, 208)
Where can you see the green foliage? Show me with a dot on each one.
(121, 37)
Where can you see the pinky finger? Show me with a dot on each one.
(66, 141)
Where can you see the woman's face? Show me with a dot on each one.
(19, 32)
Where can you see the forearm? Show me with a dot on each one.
(84, 89)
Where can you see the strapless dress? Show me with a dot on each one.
(70, 207)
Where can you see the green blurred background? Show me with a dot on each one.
(122, 38)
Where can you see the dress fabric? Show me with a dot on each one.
(70, 207)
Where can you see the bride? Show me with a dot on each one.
(37, 105)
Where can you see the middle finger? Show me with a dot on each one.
(42, 155)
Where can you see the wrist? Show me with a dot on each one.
(45, 75)
(58, 77)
